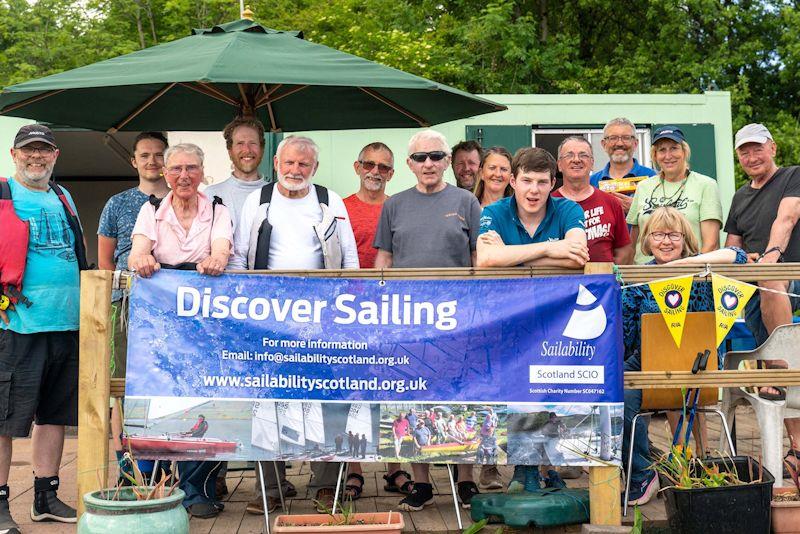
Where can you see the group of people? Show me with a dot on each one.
(355, 446)
(506, 211)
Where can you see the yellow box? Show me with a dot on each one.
(621, 185)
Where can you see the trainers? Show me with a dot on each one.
(466, 491)
(644, 492)
(421, 496)
(517, 484)
(256, 506)
(490, 477)
(47, 506)
(553, 480)
(7, 523)
(570, 472)
(203, 510)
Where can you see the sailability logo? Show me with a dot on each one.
(587, 322)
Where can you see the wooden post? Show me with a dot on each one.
(93, 382)
(604, 482)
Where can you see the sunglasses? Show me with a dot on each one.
(369, 165)
(436, 155)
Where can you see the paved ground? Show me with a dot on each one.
(438, 518)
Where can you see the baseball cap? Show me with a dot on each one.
(752, 133)
(34, 132)
(669, 132)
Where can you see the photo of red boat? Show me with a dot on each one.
(178, 445)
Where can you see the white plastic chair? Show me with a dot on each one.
(782, 344)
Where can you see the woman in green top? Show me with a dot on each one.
(695, 195)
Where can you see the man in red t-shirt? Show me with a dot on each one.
(374, 167)
(606, 229)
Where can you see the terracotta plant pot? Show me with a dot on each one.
(785, 514)
(377, 523)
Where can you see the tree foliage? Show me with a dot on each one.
(748, 47)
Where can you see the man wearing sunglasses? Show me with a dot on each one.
(374, 168)
(432, 224)
(620, 143)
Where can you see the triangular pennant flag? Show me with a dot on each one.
(672, 297)
(730, 298)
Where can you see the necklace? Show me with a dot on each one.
(673, 199)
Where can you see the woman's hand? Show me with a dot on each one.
(212, 265)
(144, 265)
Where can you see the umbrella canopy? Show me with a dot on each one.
(200, 82)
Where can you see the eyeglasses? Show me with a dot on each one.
(178, 169)
(369, 165)
(31, 150)
(660, 236)
(623, 138)
(571, 155)
(436, 155)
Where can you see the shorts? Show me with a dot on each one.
(38, 380)
(119, 341)
(752, 312)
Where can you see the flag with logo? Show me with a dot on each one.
(672, 297)
(730, 298)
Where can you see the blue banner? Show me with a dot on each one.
(486, 370)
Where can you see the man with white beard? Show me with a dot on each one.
(294, 224)
(620, 143)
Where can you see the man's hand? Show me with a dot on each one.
(491, 238)
(145, 265)
(771, 256)
(568, 250)
(212, 265)
(752, 257)
(4, 313)
(624, 200)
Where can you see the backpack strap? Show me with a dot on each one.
(74, 225)
(322, 194)
(155, 202)
(266, 193)
(5, 189)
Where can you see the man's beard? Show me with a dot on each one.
(621, 158)
(36, 178)
(292, 186)
(372, 184)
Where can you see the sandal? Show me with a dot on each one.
(779, 396)
(391, 483)
(323, 500)
(355, 491)
(792, 453)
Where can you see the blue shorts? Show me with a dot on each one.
(752, 312)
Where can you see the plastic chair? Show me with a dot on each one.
(782, 344)
(659, 353)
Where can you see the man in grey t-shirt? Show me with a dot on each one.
(433, 224)
(244, 138)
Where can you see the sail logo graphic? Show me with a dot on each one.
(589, 323)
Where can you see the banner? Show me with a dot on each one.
(350, 369)
(730, 298)
(672, 297)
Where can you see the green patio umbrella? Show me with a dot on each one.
(202, 81)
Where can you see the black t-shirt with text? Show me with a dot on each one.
(754, 210)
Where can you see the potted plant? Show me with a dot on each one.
(786, 504)
(136, 508)
(699, 492)
(348, 521)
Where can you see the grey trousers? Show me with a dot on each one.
(325, 474)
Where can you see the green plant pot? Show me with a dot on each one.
(129, 516)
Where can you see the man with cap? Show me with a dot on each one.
(620, 143)
(39, 338)
(763, 221)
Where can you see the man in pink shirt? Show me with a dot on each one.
(374, 167)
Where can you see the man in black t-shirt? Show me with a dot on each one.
(763, 221)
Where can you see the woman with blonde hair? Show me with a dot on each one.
(494, 176)
(693, 194)
(668, 236)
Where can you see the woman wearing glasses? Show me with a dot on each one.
(494, 176)
(669, 237)
(185, 231)
(695, 195)
(184, 228)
